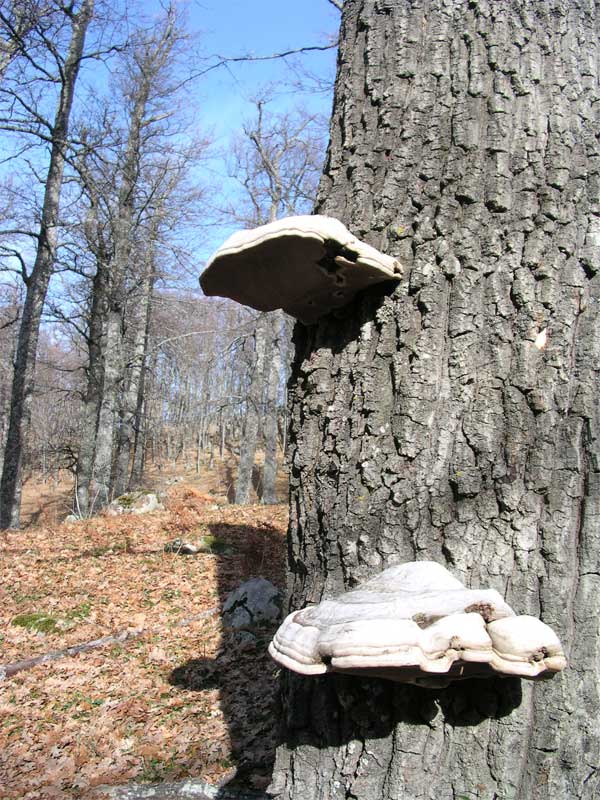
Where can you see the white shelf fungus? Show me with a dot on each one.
(417, 623)
(307, 265)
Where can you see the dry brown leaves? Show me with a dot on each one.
(172, 703)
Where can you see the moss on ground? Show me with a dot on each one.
(36, 621)
(212, 544)
(41, 622)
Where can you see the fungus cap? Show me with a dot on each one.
(307, 265)
(418, 624)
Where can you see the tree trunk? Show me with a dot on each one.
(141, 419)
(131, 397)
(270, 430)
(455, 417)
(37, 284)
(254, 405)
(105, 433)
(117, 269)
(222, 435)
(93, 397)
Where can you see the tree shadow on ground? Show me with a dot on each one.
(247, 682)
(242, 671)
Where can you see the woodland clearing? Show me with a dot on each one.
(180, 697)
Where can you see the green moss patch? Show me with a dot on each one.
(127, 500)
(41, 622)
(36, 621)
(212, 544)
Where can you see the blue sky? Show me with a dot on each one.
(239, 27)
(231, 28)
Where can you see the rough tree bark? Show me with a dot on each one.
(455, 417)
(39, 279)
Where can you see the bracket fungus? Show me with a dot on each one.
(416, 623)
(307, 265)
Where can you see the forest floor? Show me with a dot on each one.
(50, 501)
(176, 696)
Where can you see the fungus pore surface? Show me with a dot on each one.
(306, 265)
(416, 623)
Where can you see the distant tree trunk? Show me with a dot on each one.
(140, 423)
(198, 451)
(254, 405)
(131, 397)
(93, 397)
(38, 281)
(222, 435)
(117, 270)
(109, 406)
(456, 417)
(273, 370)
(139, 443)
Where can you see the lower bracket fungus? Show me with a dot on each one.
(307, 265)
(416, 623)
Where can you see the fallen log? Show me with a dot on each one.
(8, 670)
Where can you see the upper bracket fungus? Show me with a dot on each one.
(416, 623)
(307, 265)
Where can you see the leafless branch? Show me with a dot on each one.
(9, 323)
(225, 60)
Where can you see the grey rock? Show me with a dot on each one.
(255, 603)
(181, 548)
(135, 503)
(191, 788)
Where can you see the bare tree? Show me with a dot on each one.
(56, 133)
(131, 182)
(19, 19)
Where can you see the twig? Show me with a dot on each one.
(225, 60)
